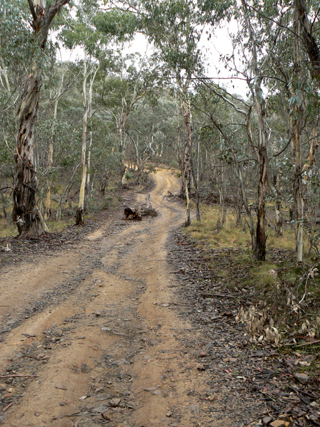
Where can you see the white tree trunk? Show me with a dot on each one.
(80, 210)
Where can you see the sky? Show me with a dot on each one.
(219, 44)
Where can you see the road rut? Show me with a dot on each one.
(96, 331)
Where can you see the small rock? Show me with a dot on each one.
(150, 389)
(100, 408)
(285, 417)
(169, 414)
(85, 368)
(202, 368)
(115, 402)
(266, 420)
(106, 416)
(120, 362)
(279, 423)
(302, 378)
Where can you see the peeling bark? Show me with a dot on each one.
(25, 184)
(309, 41)
(260, 151)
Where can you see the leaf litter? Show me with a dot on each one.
(240, 345)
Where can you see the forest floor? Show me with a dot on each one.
(113, 326)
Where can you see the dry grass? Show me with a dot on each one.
(272, 281)
(7, 228)
(229, 235)
(232, 235)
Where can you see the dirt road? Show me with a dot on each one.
(89, 336)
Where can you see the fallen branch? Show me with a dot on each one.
(306, 401)
(302, 344)
(7, 407)
(18, 375)
(75, 414)
(218, 295)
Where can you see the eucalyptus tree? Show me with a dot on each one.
(82, 33)
(151, 129)
(307, 19)
(93, 30)
(16, 52)
(222, 124)
(172, 27)
(60, 81)
(130, 79)
(25, 184)
(264, 27)
(256, 61)
(291, 74)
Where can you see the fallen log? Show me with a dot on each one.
(132, 214)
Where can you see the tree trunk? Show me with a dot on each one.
(90, 114)
(196, 186)
(297, 116)
(25, 184)
(278, 227)
(305, 32)
(297, 188)
(221, 189)
(187, 118)
(80, 210)
(260, 244)
(88, 183)
(25, 177)
(260, 151)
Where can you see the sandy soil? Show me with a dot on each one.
(89, 336)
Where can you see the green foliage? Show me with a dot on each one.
(115, 23)
(172, 26)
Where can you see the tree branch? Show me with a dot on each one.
(50, 14)
(33, 12)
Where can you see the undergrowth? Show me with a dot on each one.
(279, 288)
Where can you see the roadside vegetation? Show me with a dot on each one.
(277, 299)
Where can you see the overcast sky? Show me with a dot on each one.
(219, 44)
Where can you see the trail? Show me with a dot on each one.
(98, 331)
